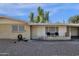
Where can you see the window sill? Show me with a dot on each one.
(18, 32)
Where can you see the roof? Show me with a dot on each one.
(9, 18)
(54, 24)
(39, 24)
(44, 24)
(71, 24)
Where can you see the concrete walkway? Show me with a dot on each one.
(39, 48)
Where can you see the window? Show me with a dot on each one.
(18, 28)
(14, 28)
(52, 29)
(21, 28)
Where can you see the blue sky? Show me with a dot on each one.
(57, 11)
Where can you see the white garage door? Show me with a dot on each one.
(74, 31)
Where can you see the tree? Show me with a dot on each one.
(41, 17)
(40, 14)
(40, 11)
(37, 19)
(31, 17)
(47, 17)
(74, 19)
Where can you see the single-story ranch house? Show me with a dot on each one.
(11, 28)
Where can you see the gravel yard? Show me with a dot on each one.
(39, 48)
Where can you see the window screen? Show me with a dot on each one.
(21, 28)
(14, 28)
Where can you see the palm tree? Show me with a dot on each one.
(47, 16)
(36, 19)
(39, 11)
(41, 17)
(40, 14)
(31, 17)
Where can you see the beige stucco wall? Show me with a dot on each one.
(6, 29)
(38, 31)
(62, 30)
(6, 32)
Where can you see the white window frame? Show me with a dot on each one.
(18, 28)
(49, 28)
(12, 28)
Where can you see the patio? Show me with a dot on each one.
(39, 48)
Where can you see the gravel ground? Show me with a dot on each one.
(39, 48)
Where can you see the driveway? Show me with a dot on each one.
(39, 48)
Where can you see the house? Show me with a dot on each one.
(11, 28)
(55, 31)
